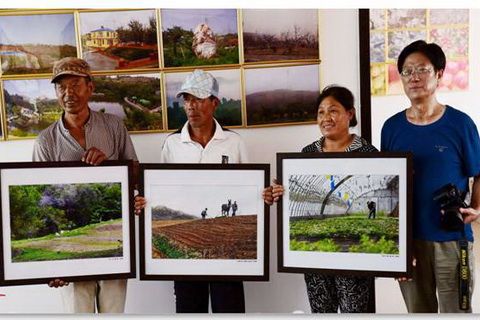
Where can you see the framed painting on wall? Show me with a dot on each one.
(195, 37)
(281, 95)
(34, 49)
(118, 40)
(345, 214)
(31, 106)
(135, 98)
(204, 222)
(66, 220)
(280, 35)
(228, 112)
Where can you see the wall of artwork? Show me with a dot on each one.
(140, 57)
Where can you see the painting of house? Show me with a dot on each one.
(100, 38)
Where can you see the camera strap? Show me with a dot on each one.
(464, 275)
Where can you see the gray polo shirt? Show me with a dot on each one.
(103, 131)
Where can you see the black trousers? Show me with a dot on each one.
(192, 296)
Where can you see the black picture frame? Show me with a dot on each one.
(323, 186)
(171, 190)
(64, 238)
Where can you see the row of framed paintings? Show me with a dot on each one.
(72, 221)
(156, 38)
(249, 97)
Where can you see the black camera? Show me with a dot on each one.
(450, 200)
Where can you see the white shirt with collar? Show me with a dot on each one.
(180, 148)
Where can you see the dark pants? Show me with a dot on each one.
(192, 296)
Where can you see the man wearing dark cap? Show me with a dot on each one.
(203, 140)
(92, 137)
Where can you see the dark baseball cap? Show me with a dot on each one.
(71, 66)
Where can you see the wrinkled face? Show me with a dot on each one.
(333, 119)
(419, 78)
(73, 93)
(199, 111)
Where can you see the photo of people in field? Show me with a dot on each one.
(204, 222)
(32, 43)
(119, 39)
(65, 221)
(344, 213)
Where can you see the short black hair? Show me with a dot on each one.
(431, 50)
(343, 96)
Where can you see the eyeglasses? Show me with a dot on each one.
(420, 71)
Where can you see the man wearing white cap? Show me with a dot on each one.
(203, 140)
(92, 137)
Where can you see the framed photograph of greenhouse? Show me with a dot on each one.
(119, 40)
(66, 220)
(345, 213)
(204, 222)
(30, 44)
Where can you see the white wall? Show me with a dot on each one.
(284, 293)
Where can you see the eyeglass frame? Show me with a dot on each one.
(420, 71)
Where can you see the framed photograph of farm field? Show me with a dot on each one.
(280, 35)
(204, 222)
(30, 44)
(66, 220)
(345, 213)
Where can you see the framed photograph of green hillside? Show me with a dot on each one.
(345, 213)
(31, 106)
(135, 98)
(204, 222)
(30, 44)
(228, 112)
(281, 95)
(119, 40)
(196, 37)
(66, 220)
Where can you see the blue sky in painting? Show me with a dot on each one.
(222, 21)
(51, 29)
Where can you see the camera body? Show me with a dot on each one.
(450, 200)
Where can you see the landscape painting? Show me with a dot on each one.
(30, 44)
(117, 40)
(31, 106)
(345, 213)
(194, 37)
(280, 34)
(228, 112)
(204, 221)
(281, 95)
(135, 98)
(66, 220)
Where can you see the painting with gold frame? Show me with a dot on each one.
(135, 98)
(229, 111)
(31, 106)
(194, 37)
(113, 40)
(279, 95)
(280, 34)
(34, 49)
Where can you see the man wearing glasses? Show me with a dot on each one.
(446, 149)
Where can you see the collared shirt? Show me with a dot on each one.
(103, 131)
(225, 146)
